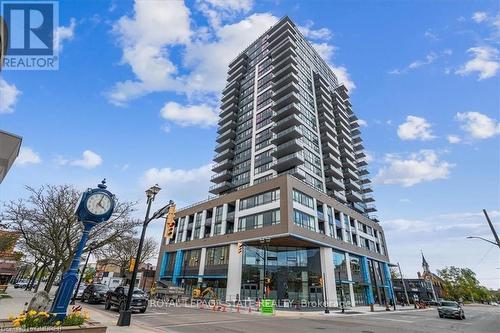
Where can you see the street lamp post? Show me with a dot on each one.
(341, 293)
(265, 242)
(484, 239)
(404, 286)
(125, 314)
(80, 279)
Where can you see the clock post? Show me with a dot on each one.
(95, 206)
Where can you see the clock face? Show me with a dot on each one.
(99, 203)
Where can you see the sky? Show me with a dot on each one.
(136, 97)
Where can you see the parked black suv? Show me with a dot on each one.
(118, 298)
(95, 293)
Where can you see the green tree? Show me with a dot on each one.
(462, 284)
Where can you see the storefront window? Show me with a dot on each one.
(293, 274)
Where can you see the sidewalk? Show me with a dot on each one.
(20, 299)
(356, 311)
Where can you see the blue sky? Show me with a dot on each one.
(135, 100)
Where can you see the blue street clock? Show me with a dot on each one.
(94, 206)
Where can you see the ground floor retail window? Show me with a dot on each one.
(291, 274)
(343, 294)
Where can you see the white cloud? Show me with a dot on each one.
(479, 17)
(209, 61)
(362, 123)
(431, 35)
(485, 61)
(186, 186)
(429, 59)
(8, 96)
(315, 34)
(478, 125)
(415, 128)
(202, 115)
(325, 50)
(419, 167)
(369, 157)
(453, 139)
(218, 10)
(145, 39)
(28, 156)
(343, 76)
(62, 34)
(89, 160)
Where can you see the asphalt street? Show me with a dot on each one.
(480, 319)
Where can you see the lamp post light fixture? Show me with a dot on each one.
(265, 243)
(126, 313)
(484, 239)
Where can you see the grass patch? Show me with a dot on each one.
(2, 296)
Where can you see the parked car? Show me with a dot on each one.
(432, 302)
(118, 298)
(494, 303)
(450, 309)
(95, 293)
(80, 291)
(21, 284)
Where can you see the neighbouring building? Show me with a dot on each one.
(9, 259)
(10, 144)
(428, 286)
(292, 188)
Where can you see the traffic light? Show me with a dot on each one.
(240, 247)
(132, 264)
(170, 223)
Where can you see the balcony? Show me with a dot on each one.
(293, 108)
(230, 124)
(370, 208)
(363, 171)
(221, 166)
(230, 216)
(290, 68)
(288, 161)
(287, 99)
(231, 88)
(356, 138)
(239, 60)
(358, 207)
(228, 99)
(354, 196)
(224, 145)
(360, 154)
(233, 107)
(286, 122)
(327, 137)
(290, 77)
(239, 182)
(290, 87)
(368, 197)
(278, 56)
(366, 188)
(228, 153)
(349, 164)
(340, 196)
(326, 126)
(321, 216)
(221, 176)
(229, 116)
(229, 134)
(342, 91)
(329, 148)
(218, 188)
(331, 170)
(287, 135)
(352, 185)
(290, 59)
(361, 162)
(345, 153)
(334, 183)
(348, 173)
(287, 148)
(296, 172)
(332, 159)
(364, 180)
(358, 146)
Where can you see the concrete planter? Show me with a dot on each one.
(88, 327)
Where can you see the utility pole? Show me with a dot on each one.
(493, 231)
(404, 286)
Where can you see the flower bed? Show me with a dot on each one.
(33, 321)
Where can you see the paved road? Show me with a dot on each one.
(480, 319)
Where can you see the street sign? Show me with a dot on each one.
(267, 307)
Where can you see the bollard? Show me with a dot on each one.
(238, 308)
(371, 308)
(250, 309)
